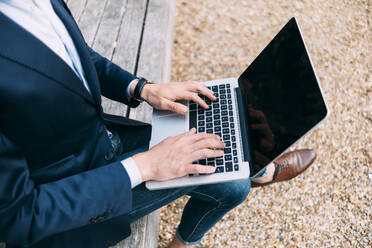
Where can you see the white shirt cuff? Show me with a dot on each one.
(128, 88)
(133, 171)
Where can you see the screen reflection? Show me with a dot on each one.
(282, 99)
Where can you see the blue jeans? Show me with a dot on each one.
(206, 206)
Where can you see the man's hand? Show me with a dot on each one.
(164, 96)
(173, 157)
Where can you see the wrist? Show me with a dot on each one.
(146, 91)
(143, 165)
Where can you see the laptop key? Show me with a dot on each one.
(232, 131)
(229, 166)
(203, 162)
(200, 111)
(216, 111)
(236, 167)
(225, 131)
(217, 129)
(225, 124)
(209, 130)
(208, 113)
(234, 145)
(230, 107)
(192, 119)
(215, 105)
(222, 91)
(228, 143)
(228, 96)
(235, 152)
(228, 91)
(225, 118)
(223, 107)
(226, 137)
(231, 125)
(209, 124)
(216, 117)
(230, 102)
(217, 122)
(201, 129)
(227, 150)
(201, 123)
(228, 157)
(215, 88)
(219, 162)
(219, 169)
(208, 119)
(222, 96)
(227, 85)
(221, 86)
(231, 113)
(233, 139)
(224, 112)
(231, 119)
(200, 117)
(235, 159)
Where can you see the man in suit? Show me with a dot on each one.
(70, 175)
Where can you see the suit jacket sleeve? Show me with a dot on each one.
(29, 212)
(113, 79)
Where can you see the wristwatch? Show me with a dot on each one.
(139, 87)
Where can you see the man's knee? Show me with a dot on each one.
(235, 193)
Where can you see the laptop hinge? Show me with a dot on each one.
(243, 125)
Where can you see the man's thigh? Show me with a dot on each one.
(146, 201)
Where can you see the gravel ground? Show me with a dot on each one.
(330, 204)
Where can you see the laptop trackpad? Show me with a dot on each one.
(167, 125)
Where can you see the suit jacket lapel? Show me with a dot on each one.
(20, 46)
(79, 42)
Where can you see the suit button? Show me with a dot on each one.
(109, 156)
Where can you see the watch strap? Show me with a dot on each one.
(139, 87)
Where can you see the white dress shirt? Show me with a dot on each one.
(38, 18)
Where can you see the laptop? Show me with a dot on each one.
(259, 115)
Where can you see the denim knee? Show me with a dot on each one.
(234, 193)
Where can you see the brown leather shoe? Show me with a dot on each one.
(290, 165)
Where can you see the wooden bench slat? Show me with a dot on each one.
(91, 19)
(77, 8)
(156, 49)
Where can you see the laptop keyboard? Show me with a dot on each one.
(218, 119)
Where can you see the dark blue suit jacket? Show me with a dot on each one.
(58, 186)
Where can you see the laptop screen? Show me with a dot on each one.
(281, 95)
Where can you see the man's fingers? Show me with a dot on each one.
(194, 97)
(176, 107)
(206, 153)
(211, 143)
(202, 89)
(201, 169)
(199, 136)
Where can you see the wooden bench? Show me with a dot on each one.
(138, 36)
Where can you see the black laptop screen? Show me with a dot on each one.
(281, 96)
